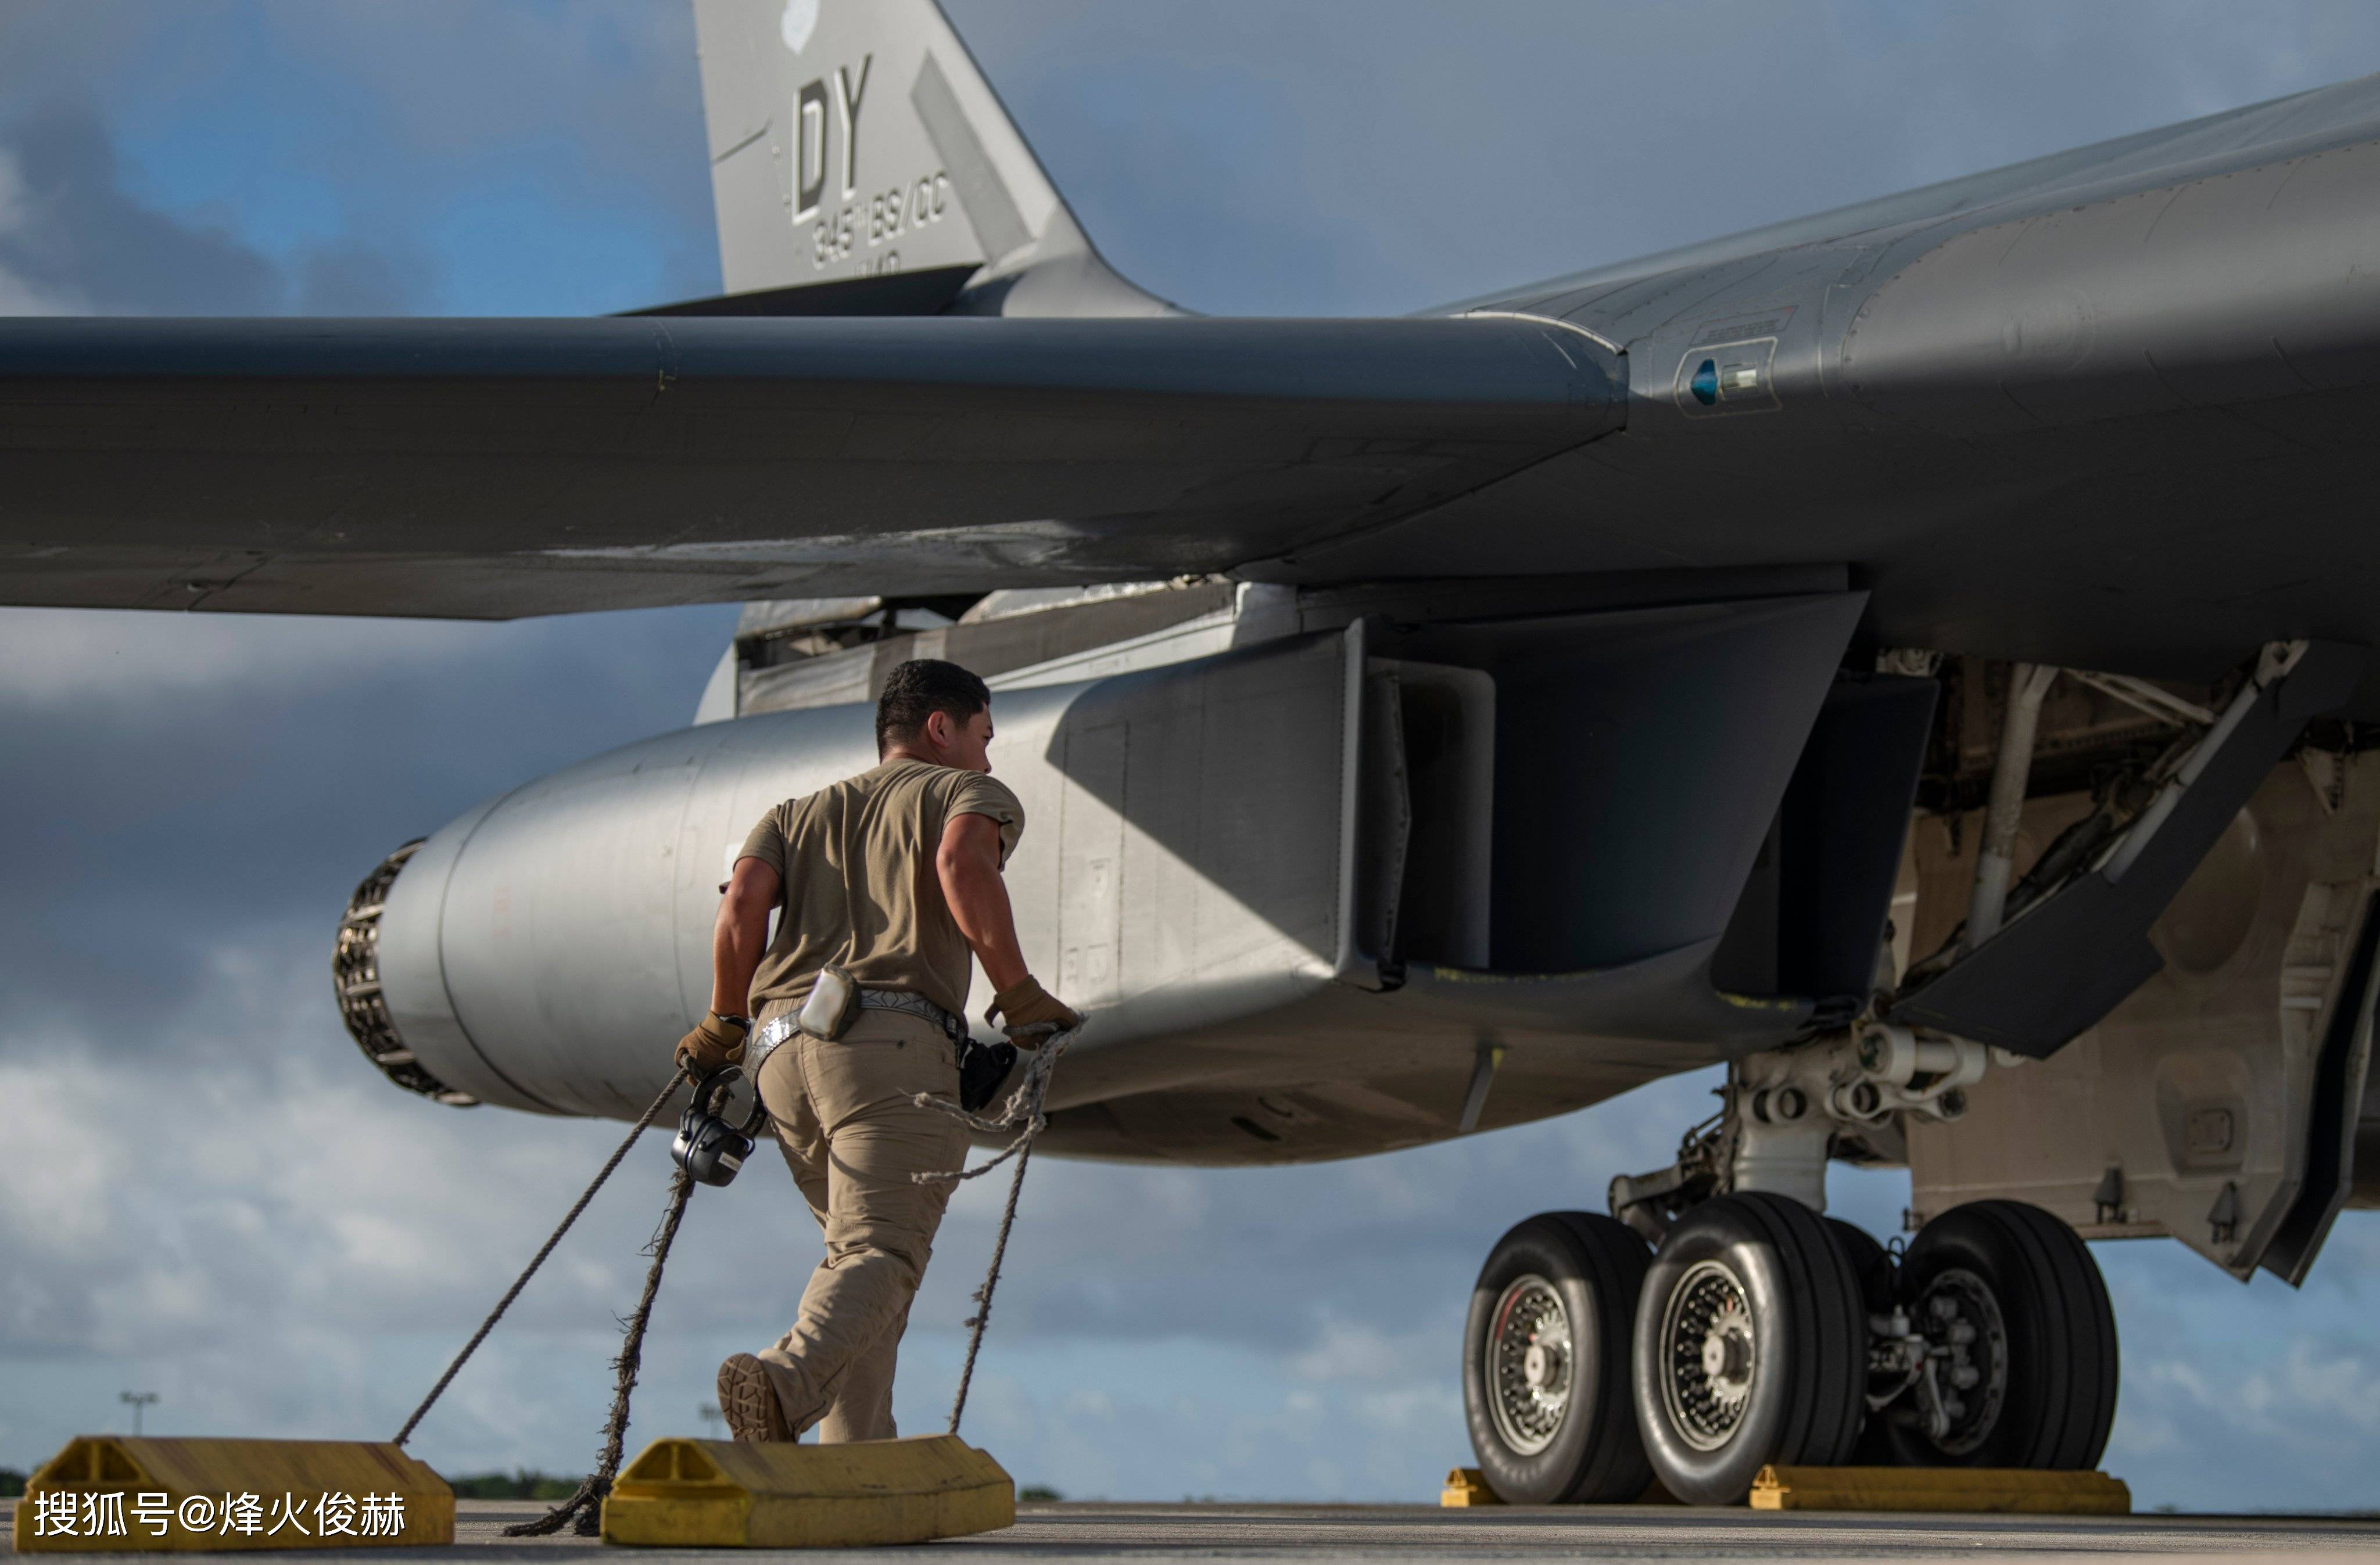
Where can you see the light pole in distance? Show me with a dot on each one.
(138, 1401)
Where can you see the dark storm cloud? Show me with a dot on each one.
(374, 157)
(353, 278)
(71, 237)
(212, 777)
(203, 1174)
(564, 143)
(73, 240)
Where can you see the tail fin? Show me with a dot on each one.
(855, 139)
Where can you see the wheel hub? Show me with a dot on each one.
(1727, 1353)
(1709, 1354)
(1528, 1355)
(1967, 1342)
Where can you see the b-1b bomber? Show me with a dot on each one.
(1915, 656)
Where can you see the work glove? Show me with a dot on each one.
(1028, 1013)
(712, 1046)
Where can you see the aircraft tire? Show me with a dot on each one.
(1879, 1277)
(2049, 1399)
(1545, 1361)
(1750, 1347)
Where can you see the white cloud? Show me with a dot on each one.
(80, 659)
(19, 297)
(53, 658)
(2315, 1385)
(1355, 1349)
(13, 196)
(2323, 1381)
(46, 1161)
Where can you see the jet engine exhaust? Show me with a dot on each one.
(355, 974)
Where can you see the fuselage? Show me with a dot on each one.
(2105, 409)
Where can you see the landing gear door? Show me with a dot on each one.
(2219, 1103)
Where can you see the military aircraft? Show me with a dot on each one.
(1913, 656)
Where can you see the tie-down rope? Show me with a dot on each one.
(539, 1259)
(1022, 1113)
(585, 1504)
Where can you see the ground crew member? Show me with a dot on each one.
(893, 876)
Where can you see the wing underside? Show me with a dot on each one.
(495, 468)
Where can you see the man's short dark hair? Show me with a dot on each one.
(920, 687)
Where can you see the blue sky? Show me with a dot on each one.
(204, 1190)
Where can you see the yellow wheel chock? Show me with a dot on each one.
(124, 1494)
(2004, 1489)
(724, 1494)
(1467, 1487)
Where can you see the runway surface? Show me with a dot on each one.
(1354, 1532)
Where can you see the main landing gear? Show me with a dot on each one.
(1761, 1332)
(1758, 1331)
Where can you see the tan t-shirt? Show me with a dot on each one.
(890, 821)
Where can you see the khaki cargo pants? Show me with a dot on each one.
(845, 1116)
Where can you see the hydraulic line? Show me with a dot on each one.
(1996, 865)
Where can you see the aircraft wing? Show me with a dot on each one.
(494, 468)
(2106, 410)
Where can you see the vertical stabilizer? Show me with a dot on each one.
(855, 138)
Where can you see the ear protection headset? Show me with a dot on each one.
(709, 1146)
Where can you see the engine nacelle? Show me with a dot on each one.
(546, 949)
(1317, 893)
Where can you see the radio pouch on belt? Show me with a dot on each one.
(982, 1068)
(832, 1006)
(834, 1000)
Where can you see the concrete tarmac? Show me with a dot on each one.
(1153, 1534)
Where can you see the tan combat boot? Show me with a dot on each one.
(750, 1401)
